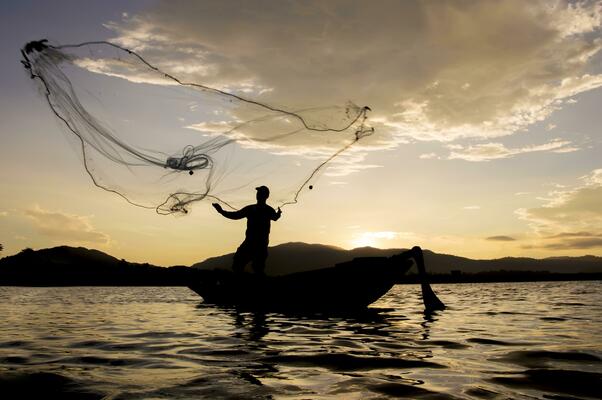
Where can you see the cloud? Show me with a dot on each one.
(471, 208)
(593, 179)
(348, 163)
(65, 227)
(570, 219)
(575, 244)
(494, 151)
(500, 238)
(428, 156)
(573, 240)
(3, 213)
(429, 70)
(570, 235)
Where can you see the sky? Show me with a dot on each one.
(486, 117)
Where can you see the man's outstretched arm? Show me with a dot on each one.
(240, 214)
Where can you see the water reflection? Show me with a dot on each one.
(343, 343)
(255, 325)
(126, 343)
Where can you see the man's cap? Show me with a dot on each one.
(263, 189)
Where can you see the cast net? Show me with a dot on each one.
(164, 143)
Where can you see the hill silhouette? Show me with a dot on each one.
(69, 266)
(72, 266)
(297, 256)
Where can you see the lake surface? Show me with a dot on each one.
(495, 341)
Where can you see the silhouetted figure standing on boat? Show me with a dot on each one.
(259, 216)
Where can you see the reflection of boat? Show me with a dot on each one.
(346, 286)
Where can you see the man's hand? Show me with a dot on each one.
(218, 207)
(279, 211)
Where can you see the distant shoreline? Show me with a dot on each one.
(506, 277)
(71, 266)
(408, 280)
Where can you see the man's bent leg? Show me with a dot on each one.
(261, 254)
(241, 258)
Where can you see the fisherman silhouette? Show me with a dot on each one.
(254, 248)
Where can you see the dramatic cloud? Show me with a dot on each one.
(438, 70)
(571, 219)
(65, 227)
(501, 238)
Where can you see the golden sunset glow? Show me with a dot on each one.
(486, 118)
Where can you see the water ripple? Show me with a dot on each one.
(496, 341)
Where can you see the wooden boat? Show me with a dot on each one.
(351, 285)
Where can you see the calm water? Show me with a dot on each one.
(496, 341)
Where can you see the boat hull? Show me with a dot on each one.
(347, 286)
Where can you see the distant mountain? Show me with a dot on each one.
(74, 266)
(295, 256)
(66, 265)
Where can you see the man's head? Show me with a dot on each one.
(262, 193)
